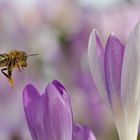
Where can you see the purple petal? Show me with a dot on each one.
(33, 111)
(83, 133)
(58, 85)
(29, 93)
(113, 65)
(58, 120)
(61, 89)
(48, 116)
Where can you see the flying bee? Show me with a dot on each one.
(11, 60)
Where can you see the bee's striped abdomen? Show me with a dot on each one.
(4, 60)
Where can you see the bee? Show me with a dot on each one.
(14, 59)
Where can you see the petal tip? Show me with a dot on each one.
(112, 36)
(83, 132)
(136, 29)
(29, 94)
(113, 40)
(93, 34)
(94, 41)
(138, 24)
(56, 83)
(58, 86)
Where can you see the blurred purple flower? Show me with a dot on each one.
(49, 116)
(82, 133)
(116, 72)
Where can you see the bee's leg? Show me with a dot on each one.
(10, 69)
(11, 81)
(4, 69)
(18, 67)
(8, 75)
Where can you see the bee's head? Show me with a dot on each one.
(24, 56)
(21, 59)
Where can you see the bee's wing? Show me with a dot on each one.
(4, 59)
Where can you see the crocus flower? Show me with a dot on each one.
(49, 116)
(116, 72)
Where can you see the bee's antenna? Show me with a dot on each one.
(32, 55)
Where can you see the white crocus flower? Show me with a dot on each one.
(116, 72)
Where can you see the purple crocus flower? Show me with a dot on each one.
(49, 116)
(116, 72)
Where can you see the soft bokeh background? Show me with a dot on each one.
(58, 30)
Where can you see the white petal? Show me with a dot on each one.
(96, 60)
(130, 80)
